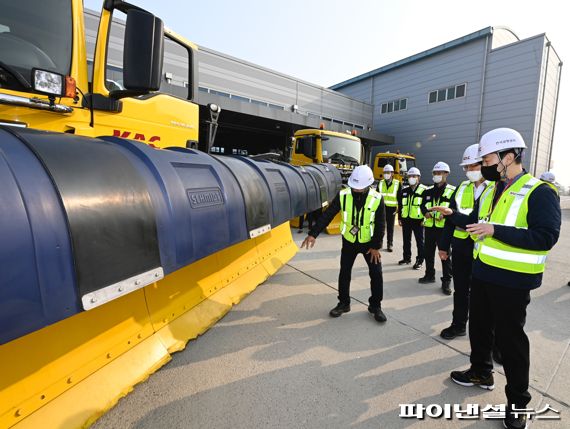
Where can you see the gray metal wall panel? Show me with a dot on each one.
(227, 74)
(361, 90)
(545, 132)
(437, 131)
(512, 90)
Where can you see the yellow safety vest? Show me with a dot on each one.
(366, 215)
(511, 210)
(444, 201)
(390, 193)
(411, 202)
(465, 202)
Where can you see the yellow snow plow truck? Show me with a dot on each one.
(120, 242)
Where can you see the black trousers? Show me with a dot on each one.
(390, 218)
(347, 256)
(503, 310)
(415, 226)
(461, 269)
(432, 236)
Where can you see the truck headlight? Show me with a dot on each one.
(48, 82)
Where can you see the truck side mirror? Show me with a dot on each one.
(143, 52)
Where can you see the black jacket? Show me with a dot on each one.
(544, 219)
(334, 208)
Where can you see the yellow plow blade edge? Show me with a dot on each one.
(68, 374)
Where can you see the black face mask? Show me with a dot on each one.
(359, 196)
(490, 172)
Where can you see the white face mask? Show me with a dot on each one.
(474, 176)
(437, 179)
(412, 180)
(387, 176)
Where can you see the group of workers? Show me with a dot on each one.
(497, 226)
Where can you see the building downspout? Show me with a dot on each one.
(483, 80)
(555, 111)
(535, 155)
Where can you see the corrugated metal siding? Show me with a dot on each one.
(437, 131)
(512, 90)
(227, 74)
(440, 131)
(361, 90)
(547, 111)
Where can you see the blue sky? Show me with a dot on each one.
(326, 42)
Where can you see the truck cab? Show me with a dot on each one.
(312, 146)
(401, 163)
(52, 78)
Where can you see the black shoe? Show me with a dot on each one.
(445, 286)
(300, 231)
(426, 279)
(339, 309)
(513, 420)
(405, 262)
(471, 378)
(379, 315)
(389, 249)
(497, 356)
(452, 332)
(418, 264)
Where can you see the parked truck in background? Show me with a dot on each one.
(343, 150)
(401, 163)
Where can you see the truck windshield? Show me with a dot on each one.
(340, 150)
(33, 34)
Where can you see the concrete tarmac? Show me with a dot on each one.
(277, 360)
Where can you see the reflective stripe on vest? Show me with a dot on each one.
(411, 203)
(437, 217)
(465, 202)
(365, 216)
(511, 210)
(390, 193)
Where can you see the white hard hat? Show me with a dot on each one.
(500, 139)
(388, 168)
(548, 176)
(361, 177)
(441, 166)
(414, 172)
(471, 155)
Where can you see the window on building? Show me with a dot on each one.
(460, 91)
(394, 105)
(445, 94)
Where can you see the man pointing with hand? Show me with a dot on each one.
(516, 222)
(362, 228)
